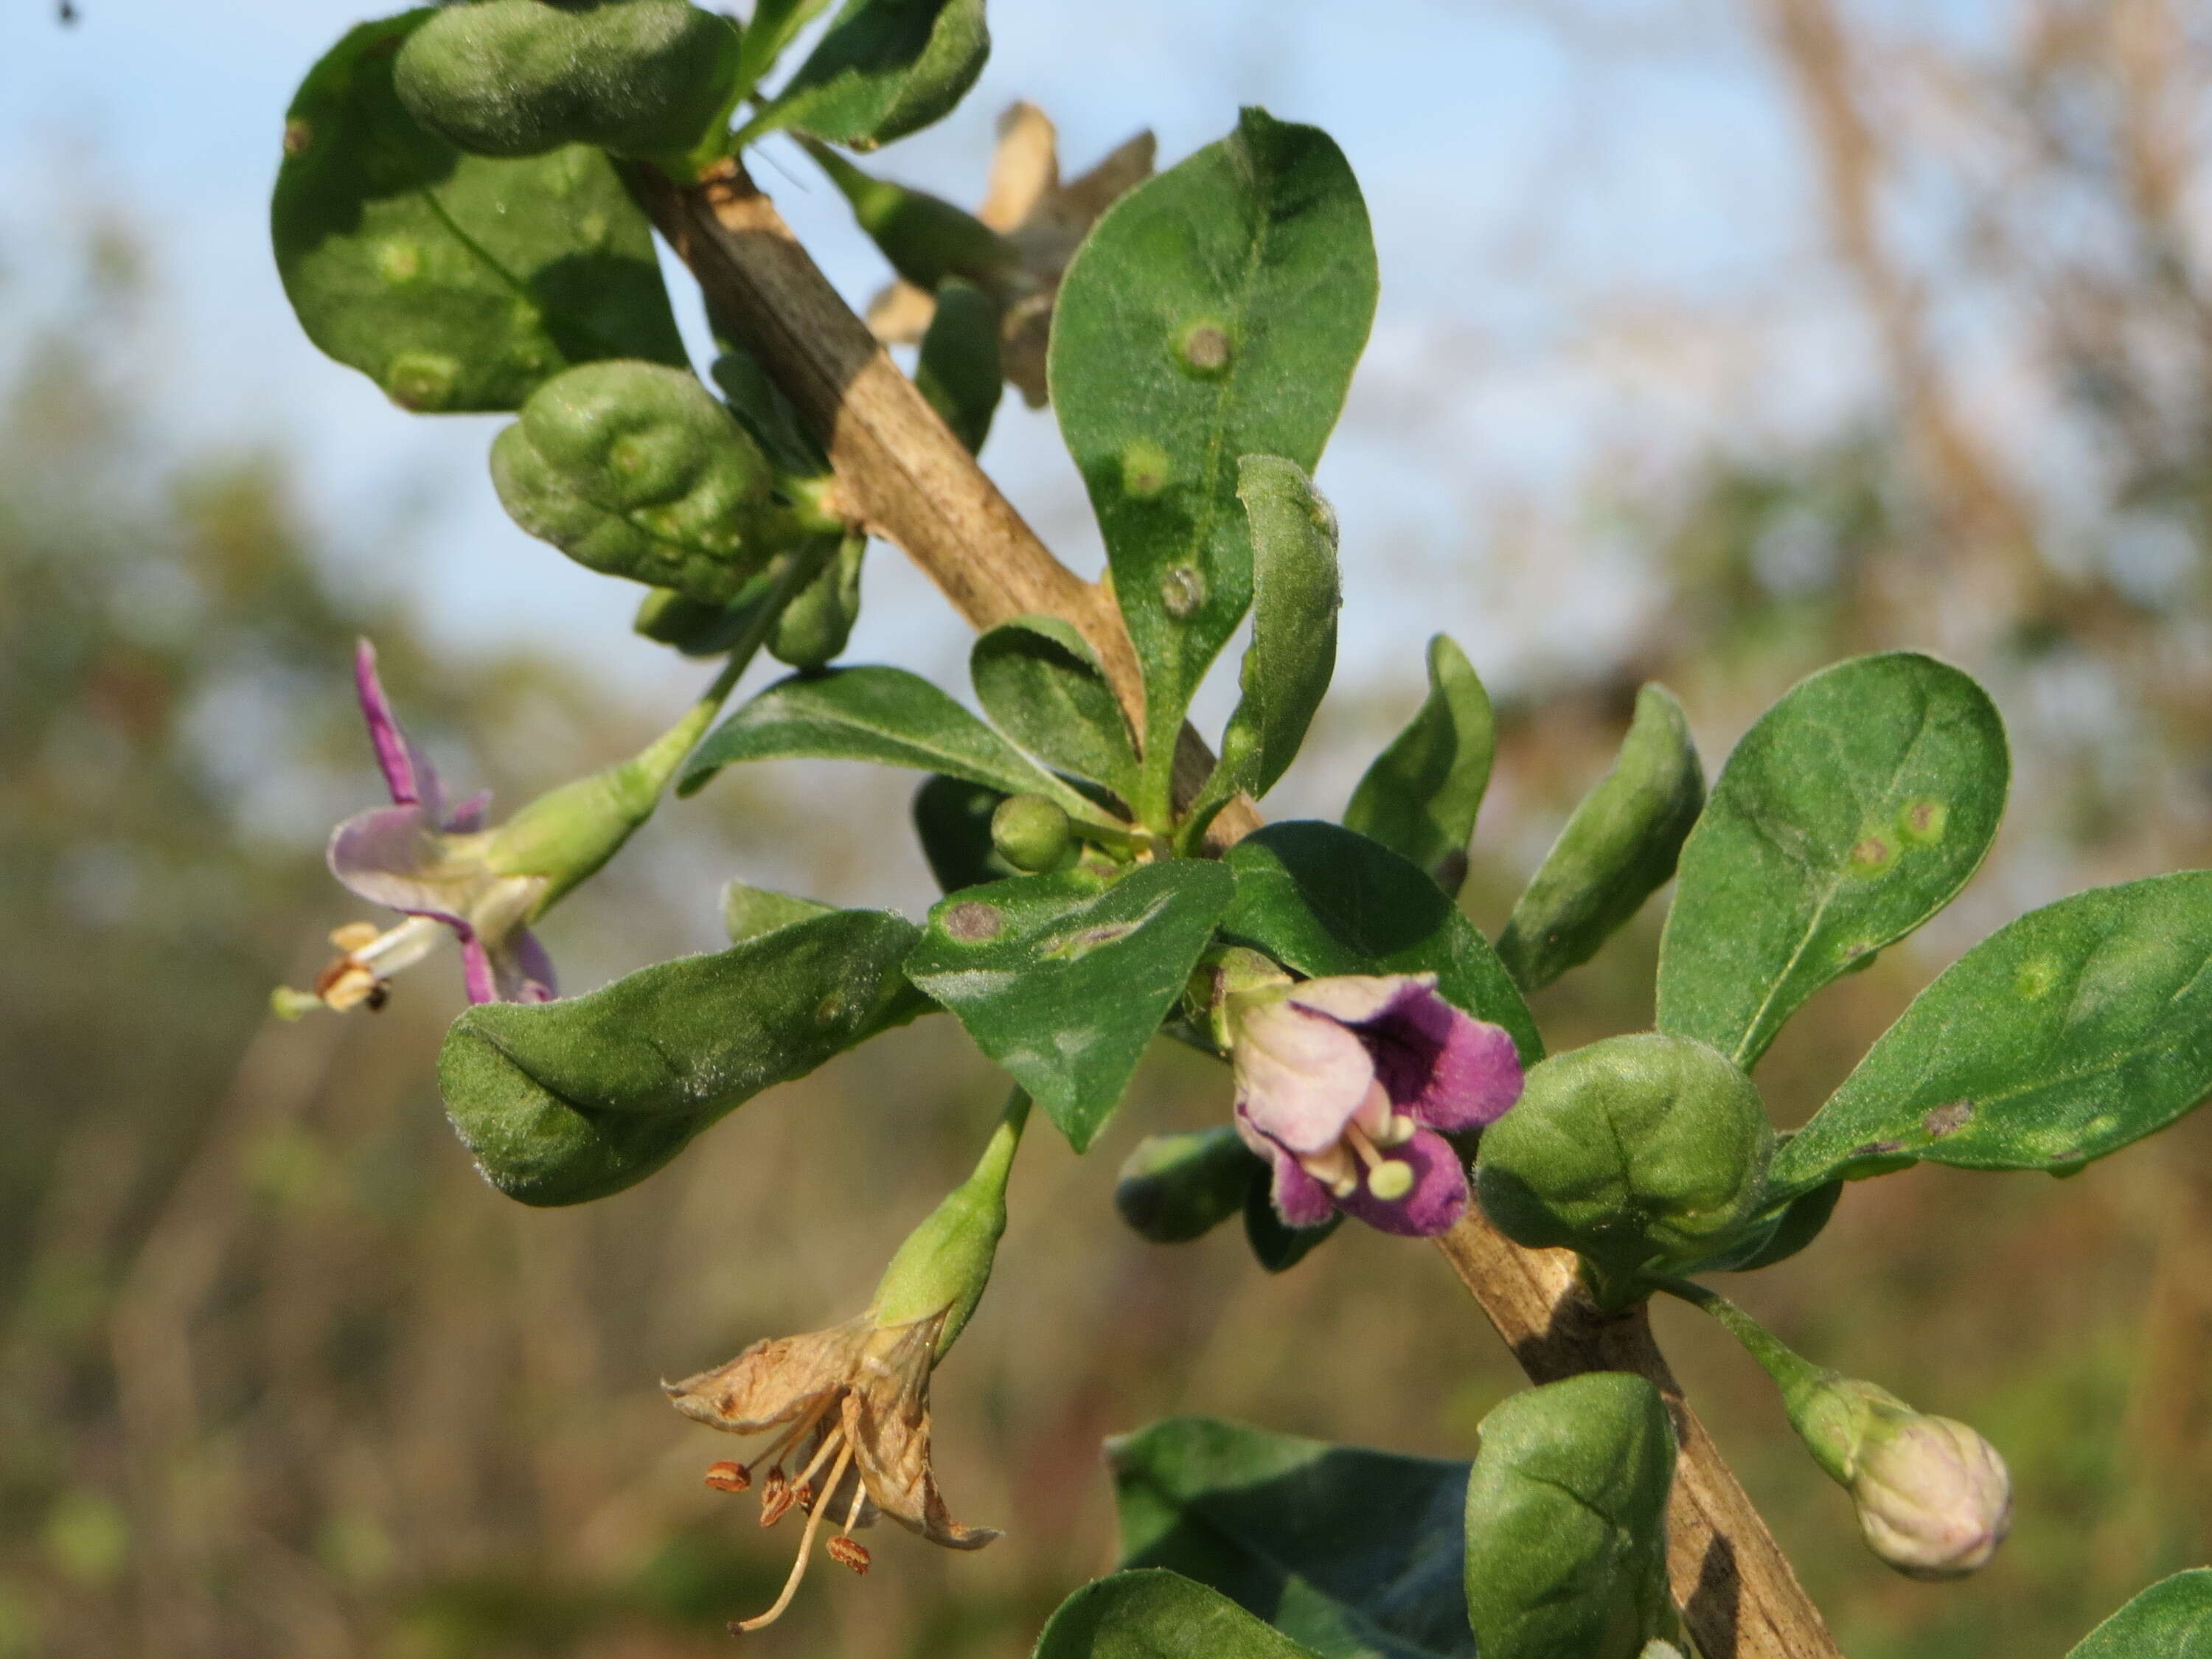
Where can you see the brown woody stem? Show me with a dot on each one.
(911, 481)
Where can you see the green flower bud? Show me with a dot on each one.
(637, 470)
(650, 78)
(926, 238)
(945, 1263)
(1177, 1187)
(1031, 833)
(819, 619)
(1566, 1521)
(1643, 1153)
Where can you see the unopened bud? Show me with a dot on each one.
(1934, 1500)
(1029, 832)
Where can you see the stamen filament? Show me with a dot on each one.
(805, 1550)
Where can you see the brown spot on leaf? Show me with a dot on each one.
(1948, 1120)
(972, 923)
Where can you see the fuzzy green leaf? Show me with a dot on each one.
(1215, 312)
(748, 912)
(1323, 900)
(1855, 810)
(566, 1101)
(1296, 595)
(2067, 1035)
(1616, 850)
(958, 372)
(871, 713)
(1176, 1187)
(1037, 679)
(1354, 1553)
(2172, 1620)
(635, 470)
(1158, 1615)
(1567, 1509)
(1420, 797)
(885, 68)
(456, 282)
(1064, 984)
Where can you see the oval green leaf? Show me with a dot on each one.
(885, 68)
(567, 1101)
(2172, 1620)
(456, 282)
(1355, 1553)
(1037, 679)
(1854, 811)
(1616, 850)
(1215, 312)
(1323, 900)
(1158, 1615)
(1064, 984)
(2064, 1036)
(1420, 796)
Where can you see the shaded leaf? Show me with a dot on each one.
(1855, 810)
(562, 1101)
(1420, 796)
(870, 713)
(456, 282)
(1215, 312)
(1566, 1513)
(1173, 1188)
(1275, 1246)
(1157, 1615)
(2067, 1035)
(1353, 1552)
(885, 68)
(1037, 679)
(2172, 1620)
(817, 622)
(750, 912)
(952, 818)
(958, 371)
(1064, 984)
(1321, 899)
(1616, 850)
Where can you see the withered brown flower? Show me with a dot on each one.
(1046, 221)
(850, 1407)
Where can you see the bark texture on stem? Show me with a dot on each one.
(1738, 1593)
(915, 484)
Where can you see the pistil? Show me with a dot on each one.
(805, 1546)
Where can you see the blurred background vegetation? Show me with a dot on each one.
(280, 1375)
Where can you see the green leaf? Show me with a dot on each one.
(817, 622)
(1275, 1247)
(958, 372)
(885, 68)
(952, 818)
(1173, 1188)
(635, 470)
(767, 415)
(768, 31)
(1296, 595)
(1567, 1511)
(697, 629)
(1063, 984)
(1616, 850)
(652, 78)
(1323, 900)
(2067, 1035)
(750, 912)
(1855, 810)
(1038, 681)
(1158, 1615)
(1420, 797)
(882, 714)
(562, 1101)
(925, 238)
(456, 282)
(1216, 310)
(2172, 1620)
(1354, 1553)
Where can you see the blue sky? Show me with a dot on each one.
(1597, 249)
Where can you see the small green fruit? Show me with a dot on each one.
(1030, 832)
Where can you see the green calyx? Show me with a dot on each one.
(1645, 1154)
(653, 79)
(945, 1263)
(635, 470)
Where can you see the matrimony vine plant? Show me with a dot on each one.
(466, 211)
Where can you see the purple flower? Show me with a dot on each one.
(435, 863)
(1343, 1084)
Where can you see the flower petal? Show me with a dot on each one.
(1439, 1197)
(777, 1379)
(1442, 1066)
(1355, 999)
(478, 976)
(469, 817)
(1300, 1200)
(521, 968)
(407, 770)
(887, 1419)
(393, 856)
(1300, 1075)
